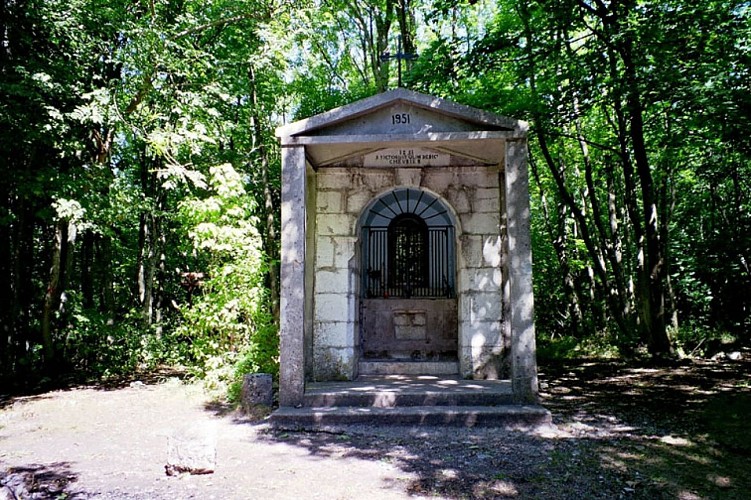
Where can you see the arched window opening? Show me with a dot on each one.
(408, 248)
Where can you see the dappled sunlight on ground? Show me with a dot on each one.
(679, 427)
(618, 431)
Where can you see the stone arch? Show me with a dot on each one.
(383, 261)
(407, 258)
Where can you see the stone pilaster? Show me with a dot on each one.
(523, 345)
(292, 321)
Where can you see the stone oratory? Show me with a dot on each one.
(405, 245)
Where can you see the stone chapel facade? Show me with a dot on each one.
(405, 245)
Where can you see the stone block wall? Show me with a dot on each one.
(474, 193)
(341, 195)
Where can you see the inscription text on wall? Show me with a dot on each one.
(406, 157)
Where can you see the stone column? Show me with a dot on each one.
(523, 345)
(292, 303)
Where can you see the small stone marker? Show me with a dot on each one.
(191, 451)
(257, 395)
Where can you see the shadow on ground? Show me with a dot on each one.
(621, 431)
(36, 481)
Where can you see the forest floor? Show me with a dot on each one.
(620, 431)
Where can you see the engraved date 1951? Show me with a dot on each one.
(400, 119)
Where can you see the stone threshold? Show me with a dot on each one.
(334, 419)
(390, 391)
(404, 367)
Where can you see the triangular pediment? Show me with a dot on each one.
(400, 112)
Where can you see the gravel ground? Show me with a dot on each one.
(620, 431)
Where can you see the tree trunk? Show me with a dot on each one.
(104, 271)
(406, 20)
(270, 243)
(628, 106)
(653, 312)
(580, 218)
(558, 237)
(383, 22)
(7, 295)
(406, 25)
(23, 260)
(87, 270)
(147, 265)
(615, 288)
(615, 214)
(65, 237)
(557, 172)
(148, 238)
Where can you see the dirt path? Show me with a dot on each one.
(621, 432)
(114, 444)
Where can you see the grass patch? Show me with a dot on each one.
(568, 347)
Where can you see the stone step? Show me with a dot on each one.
(333, 418)
(396, 367)
(408, 391)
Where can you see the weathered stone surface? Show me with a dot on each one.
(334, 179)
(410, 325)
(440, 180)
(481, 333)
(409, 177)
(335, 333)
(357, 200)
(481, 223)
(333, 419)
(331, 307)
(292, 273)
(401, 368)
(470, 249)
(332, 363)
(491, 251)
(485, 200)
(481, 306)
(325, 252)
(523, 345)
(478, 177)
(332, 280)
(345, 250)
(459, 199)
(191, 451)
(482, 279)
(486, 363)
(431, 115)
(339, 224)
(257, 389)
(330, 202)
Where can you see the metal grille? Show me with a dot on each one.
(408, 259)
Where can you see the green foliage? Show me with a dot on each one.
(113, 115)
(569, 347)
(695, 340)
(149, 127)
(571, 65)
(100, 347)
(229, 322)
